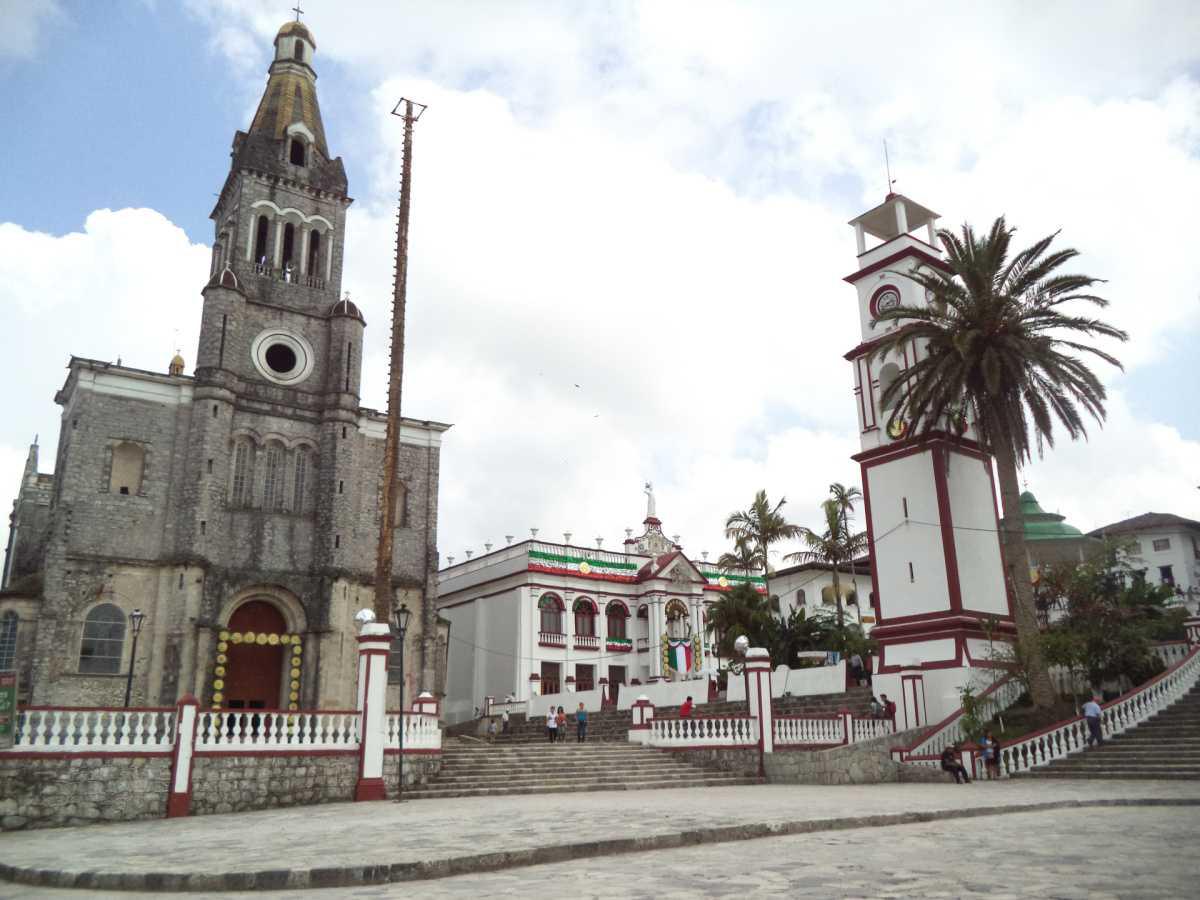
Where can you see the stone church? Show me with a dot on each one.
(237, 508)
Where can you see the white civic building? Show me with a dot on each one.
(540, 619)
(1165, 549)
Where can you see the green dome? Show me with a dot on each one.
(1043, 526)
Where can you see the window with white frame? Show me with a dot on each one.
(8, 640)
(103, 641)
(1162, 543)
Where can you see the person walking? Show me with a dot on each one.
(504, 721)
(952, 763)
(1091, 715)
(561, 719)
(552, 725)
(889, 708)
(685, 711)
(580, 724)
(991, 755)
(876, 708)
(856, 668)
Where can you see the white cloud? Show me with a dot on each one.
(649, 201)
(24, 23)
(127, 285)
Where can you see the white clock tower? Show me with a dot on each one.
(930, 499)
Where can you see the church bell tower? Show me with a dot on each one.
(930, 499)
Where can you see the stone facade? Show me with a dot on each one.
(50, 792)
(255, 479)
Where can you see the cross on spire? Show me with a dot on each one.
(297, 10)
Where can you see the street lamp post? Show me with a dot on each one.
(400, 626)
(136, 619)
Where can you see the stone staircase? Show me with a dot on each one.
(610, 725)
(1166, 745)
(477, 769)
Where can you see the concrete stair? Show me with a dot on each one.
(472, 769)
(610, 725)
(1167, 745)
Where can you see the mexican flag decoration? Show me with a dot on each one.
(679, 654)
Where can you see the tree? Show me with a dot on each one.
(834, 547)
(742, 557)
(740, 611)
(999, 348)
(759, 527)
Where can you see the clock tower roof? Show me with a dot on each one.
(895, 216)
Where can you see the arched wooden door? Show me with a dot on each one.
(254, 672)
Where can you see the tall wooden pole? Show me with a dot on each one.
(391, 447)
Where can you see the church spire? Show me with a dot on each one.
(289, 102)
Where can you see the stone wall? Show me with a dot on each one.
(223, 784)
(866, 762)
(51, 792)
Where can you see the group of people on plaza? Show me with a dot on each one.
(556, 724)
(989, 746)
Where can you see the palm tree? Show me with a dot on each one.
(759, 527)
(1001, 348)
(844, 497)
(742, 557)
(834, 547)
(740, 610)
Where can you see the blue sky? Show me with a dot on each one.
(684, 170)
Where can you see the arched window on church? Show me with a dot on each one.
(300, 480)
(261, 232)
(273, 487)
(128, 460)
(296, 152)
(8, 640)
(314, 254)
(243, 471)
(289, 244)
(103, 641)
(400, 519)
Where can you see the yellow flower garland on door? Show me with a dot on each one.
(225, 638)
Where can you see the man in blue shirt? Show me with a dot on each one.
(581, 724)
(1091, 715)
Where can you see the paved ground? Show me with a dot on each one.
(1125, 852)
(478, 834)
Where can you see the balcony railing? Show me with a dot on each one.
(587, 642)
(288, 276)
(552, 639)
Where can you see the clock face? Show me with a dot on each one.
(887, 297)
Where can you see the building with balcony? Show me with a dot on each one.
(535, 618)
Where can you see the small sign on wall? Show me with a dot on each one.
(8, 709)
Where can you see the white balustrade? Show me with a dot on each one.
(73, 730)
(1119, 716)
(949, 731)
(276, 730)
(421, 731)
(1171, 652)
(717, 731)
(869, 729)
(798, 731)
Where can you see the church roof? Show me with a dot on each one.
(289, 97)
(299, 29)
(1043, 526)
(345, 308)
